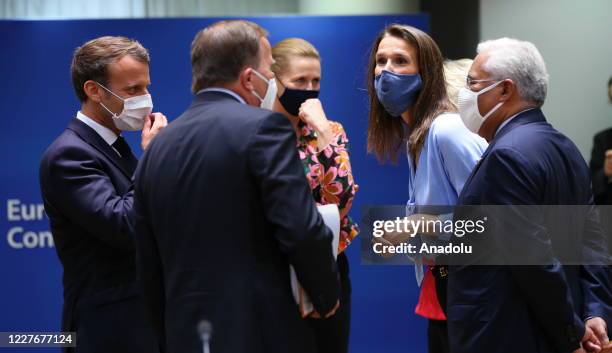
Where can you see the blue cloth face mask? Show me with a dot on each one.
(397, 92)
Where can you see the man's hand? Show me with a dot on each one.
(590, 341)
(608, 164)
(154, 123)
(316, 315)
(600, 331)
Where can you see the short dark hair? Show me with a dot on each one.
(220, 51)
(90, 61)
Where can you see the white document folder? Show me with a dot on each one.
(331, 217)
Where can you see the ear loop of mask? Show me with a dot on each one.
(485, 90)
(266, 80)
(111, 92)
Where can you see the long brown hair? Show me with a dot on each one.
(387, 134)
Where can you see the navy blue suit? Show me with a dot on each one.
(88, 195)
(538, 308)
(222, 208)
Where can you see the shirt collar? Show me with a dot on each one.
(508, 120)
(107, 134)
(223, 90)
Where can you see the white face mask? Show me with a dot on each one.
(135, 110)
(267, 102)
(468, 107)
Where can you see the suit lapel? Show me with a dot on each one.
(475, 170)
(90, 136)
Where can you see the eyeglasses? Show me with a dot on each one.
(470, 81)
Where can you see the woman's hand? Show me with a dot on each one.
(311, 112)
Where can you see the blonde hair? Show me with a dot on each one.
(455, 74)
(291, 47)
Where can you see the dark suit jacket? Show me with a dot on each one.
(601, 187)
(222, 208)
(88, 196)
(537, 308)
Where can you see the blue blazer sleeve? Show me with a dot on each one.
(289, 205)
(74, 182)
(596, 279)
(596, 285)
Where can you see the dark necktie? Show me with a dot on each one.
(126, 154)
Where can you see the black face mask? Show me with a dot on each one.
(292, 99)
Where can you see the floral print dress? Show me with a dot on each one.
(330, 176)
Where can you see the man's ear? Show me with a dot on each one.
(246, 79)
(508, 89)
(92, 90)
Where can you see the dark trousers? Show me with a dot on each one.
(332, 334)
(437, 331)
(437, 336)
(118, 327)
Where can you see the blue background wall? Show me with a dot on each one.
(37, 101)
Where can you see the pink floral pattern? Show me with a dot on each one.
(330, 176)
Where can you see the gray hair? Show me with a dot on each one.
(519, 61)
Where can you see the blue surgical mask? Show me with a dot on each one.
(397, 92)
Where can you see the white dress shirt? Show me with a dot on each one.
(508, 120)
(107, 134)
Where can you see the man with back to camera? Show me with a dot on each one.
(86, 183)
(223, 208)
(542, 307)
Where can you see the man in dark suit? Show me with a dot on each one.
(601, 162)
(222, 208)
(544, 307)
(601, 167)
(601, 172)
(86, 183)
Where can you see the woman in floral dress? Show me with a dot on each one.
(323, 149)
